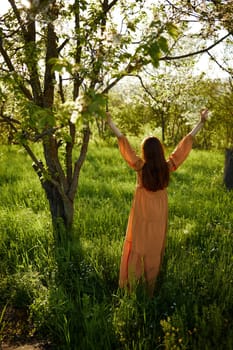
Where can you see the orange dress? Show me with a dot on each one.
(144, 243)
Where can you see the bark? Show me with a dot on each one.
(163, 122)
(49, 78)
(62, 212)
(61, 206)
(59, 188)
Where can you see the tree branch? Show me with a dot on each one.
(49, 131)
(79, 162)
(169, 58)
(11, 68)
(29, 34)
(62, 45)
(33, 157)
(54, 167)
(113, 83)
(6, 57)
(144, 87)
(51, 52)
(10, 121)
(61, 91)
(181, 11)
(110, 5)
(17, 15)
(220, 66)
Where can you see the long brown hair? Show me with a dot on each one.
(155, 172)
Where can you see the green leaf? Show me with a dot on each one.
(163, 44)
(36, 117)
(172, 30)
(154, 52)
(97, 103)
(59, 64)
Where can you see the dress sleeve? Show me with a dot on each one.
(180, 153)
(129, 154)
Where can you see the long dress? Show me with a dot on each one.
(145, 237)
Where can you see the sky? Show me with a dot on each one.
(204, 64)
(4, 6)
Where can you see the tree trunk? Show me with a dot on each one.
(59, 188)
(228, 170)
(163, 122)
(61, 208)
(62, 212)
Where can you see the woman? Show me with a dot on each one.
(144, 243)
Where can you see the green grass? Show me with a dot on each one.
(193, 304)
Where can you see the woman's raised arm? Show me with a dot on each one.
(111, 124)
(184, 147)
(203, 118)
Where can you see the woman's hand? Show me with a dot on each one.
(204, 115)
(203, 118)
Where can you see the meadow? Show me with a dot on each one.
(193, 303)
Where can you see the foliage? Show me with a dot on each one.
(171, 103)
(128, 108)
(221, 105)
(202, 21)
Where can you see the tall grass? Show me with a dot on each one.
(192, 307)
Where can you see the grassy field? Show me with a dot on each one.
(193, 303)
